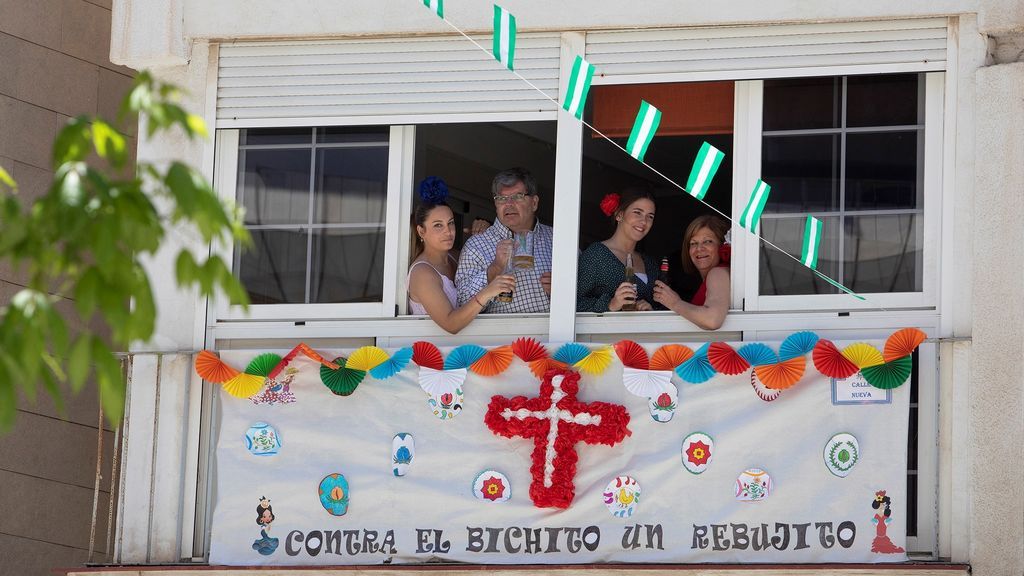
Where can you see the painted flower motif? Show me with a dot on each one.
(664, 402)
(446, 400)
(698, 453)
(403, 456)
(493, 488)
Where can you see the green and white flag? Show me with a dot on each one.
(436, 6)
(504, 36)
(644, 127)
(704, 168)
(575, 97)
(812, 239)
(752, 213)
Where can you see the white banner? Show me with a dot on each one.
(720, 507)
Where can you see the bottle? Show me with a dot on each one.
(664, 269)
(630, 304)
(506, 297)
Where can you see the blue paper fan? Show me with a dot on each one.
(463, 356)
(571, 353)
(697, 369)
(757, 354)
(393, 365)
(797, 344)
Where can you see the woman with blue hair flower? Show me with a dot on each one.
(431, 278)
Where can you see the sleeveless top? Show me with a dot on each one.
(702, 293)
(446, 284)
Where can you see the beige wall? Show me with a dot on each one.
(53, 64)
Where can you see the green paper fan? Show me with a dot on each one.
(889, 374)
(263, 364)
(342, 381)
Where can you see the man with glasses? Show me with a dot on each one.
(486, 255)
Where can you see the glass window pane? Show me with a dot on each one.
(273, 270)
(274, 186)
(883, 253)
(336, 134)
(881, 100)
(881, 171)
(348, 265)
(352, 185)
(782, 275)
(802, 171)
(801, 103)
(272, 136)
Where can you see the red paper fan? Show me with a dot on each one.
(669, 356)
(725, 360)
(831, 362)
(212, 369)
(902, 343)
(632, 355)
(541, 366)
(782, 375)
(494, 362)
(529, 349)
(426, 355)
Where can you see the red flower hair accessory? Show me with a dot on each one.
(610, 203)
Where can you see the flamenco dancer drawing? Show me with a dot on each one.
(881, 544)
(264, 517)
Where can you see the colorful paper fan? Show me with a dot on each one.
(756, 354)
(541, 366)
(463, 356)
(863, 355)
(342, 381)
(528, 349)
(426, 355)
(393, 365)
(697, 369)
(263, 364)
(782, 375)
(436, 382)
(633, 355)
(244, 385)
(211, 368)
(646, 383)
(890, 374)
(797, 344)
(596, 361)
(831, 362)
(571, 353)
(494, 362)
(670, 356)
(725, 360)
(366, 358)
(300, 348)
(902, 343)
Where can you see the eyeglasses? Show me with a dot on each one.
(499, 199)
(703, 243)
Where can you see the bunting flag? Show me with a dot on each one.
(704, 168)
(504, 36)
(579, 87)
(752, 213)
(812, 239)
(646, 124)
(436, 6)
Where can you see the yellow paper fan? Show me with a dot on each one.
(366, 358)
(596, 361)
(863, 355)
(244, 385)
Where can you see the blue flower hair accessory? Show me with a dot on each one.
(433, 190)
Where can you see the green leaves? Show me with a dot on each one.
(6, 179)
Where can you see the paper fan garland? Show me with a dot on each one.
(756, 354)
(366, 358)
(529, 349)
(863, 355)
(831, 362)
(463, 356)
(596, 361)
(670, 356)
(541, 366)
(493, 362)
(646, 383)
(902, 343)
(263, 364)
(697, 369)
(393, 365)
(890, 374)
(782, 375)
(633, 355)
(726, 360)
(243, 385)
(571, 353)
(342, 381)
(797, 344)
(211, 368)
(426, 355)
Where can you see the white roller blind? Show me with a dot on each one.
(386, 80)
(744, 52)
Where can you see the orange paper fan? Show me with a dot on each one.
(831, 362)
(529, 350)
(632, 355)
(541, 366)
(426, 355)
(212, 369)
(782, 375)
(494, 362)
(669, 356)
(902, 343)
(724, 359)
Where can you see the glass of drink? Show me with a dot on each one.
(506, 297)
(522, 255)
